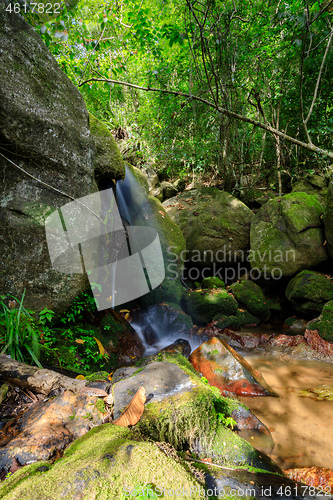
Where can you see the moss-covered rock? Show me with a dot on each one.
(286, 235)
(309, 291)
(106, 463)
(44, 123)
(108, 162)
(214, 223)
(315, 185)
(173, 246)
(328, 217)
(238, 320)
(212, 282)
(204, 305)
(140, 177)
(169, 190)
(324, 323)
(250, 296)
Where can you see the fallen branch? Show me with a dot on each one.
(309, 146)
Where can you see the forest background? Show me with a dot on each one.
(213, 88)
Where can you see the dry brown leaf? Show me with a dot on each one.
(132, 413)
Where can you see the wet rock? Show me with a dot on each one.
(309, 291)
(227, 370)
(259, 485)
(123, 373)
(121, 338)
(180, 346)
(161, 321)
(203, 305)
(287, 235)
(318, 344)
(215, 225)
(250, 428)
(50, 426)
(161, 379)
(212, 282)
(249, 295)
(241, 318)
(313, 476)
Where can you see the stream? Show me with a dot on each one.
(301, 427)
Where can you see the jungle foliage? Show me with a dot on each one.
(229, 73)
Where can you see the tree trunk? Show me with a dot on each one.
(38, 380)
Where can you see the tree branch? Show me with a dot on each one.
(310, 147)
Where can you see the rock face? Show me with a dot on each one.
(44, 125)
(215, 224)
(328, 218)
(309, 291)
(227, 370)
(286, 235)
(108, 162)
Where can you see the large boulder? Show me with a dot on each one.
(216, 226)
(328, 217)
(309, 291)
(44, 125)
(287, 235)
(315, 185)
(324, 323)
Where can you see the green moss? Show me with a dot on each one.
(309, 291)
(324, 324)
(240, 319)
(140, 177)
(203, 305)
(212, 282)
(250, 296)
(100, 465)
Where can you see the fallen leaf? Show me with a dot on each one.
(132, 413)
(79, 341)
(102, 351)
(80, 377)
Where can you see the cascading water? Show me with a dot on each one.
(154, 333)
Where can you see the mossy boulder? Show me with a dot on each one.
(315, 185)
(106, 463)
(216, 226)
(212, 282)
(204, 305)
(169, 190)
(108, 162)
(309, 291)
(328, 217)
(324, 323)
(173, 246)
(238, 320)
(250, 296)
(44, 123)
(287, 235)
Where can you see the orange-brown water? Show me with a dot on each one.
(302, 428)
